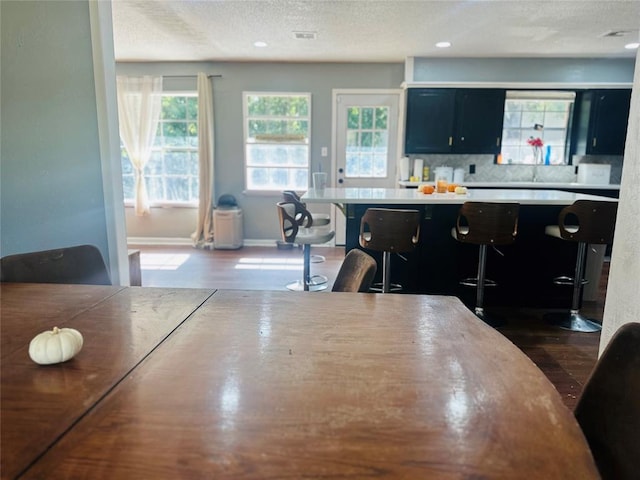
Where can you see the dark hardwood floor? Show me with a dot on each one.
(567, 358)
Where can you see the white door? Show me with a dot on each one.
(366, 143)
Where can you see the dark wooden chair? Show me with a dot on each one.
(389, 230)
(585, 222)
(356, 272)
(608, 409)
(485, 224)
(292, 232)
(82, 264)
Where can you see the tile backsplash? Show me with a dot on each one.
(486, 170)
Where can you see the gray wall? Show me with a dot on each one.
(51, 179)
(260, 218)
(572, 71)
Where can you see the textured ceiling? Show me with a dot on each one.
(370, 30)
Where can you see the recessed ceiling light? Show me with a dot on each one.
(260, 44)
(443, 44)
(304, 35)
(632, 46)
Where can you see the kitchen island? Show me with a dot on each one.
(524, 271)
(602, 189)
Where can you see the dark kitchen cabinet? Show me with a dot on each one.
(430, 115)
(454, 120)
(601, 122)
(479, 117)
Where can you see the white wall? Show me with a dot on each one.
(51, 182)
(623, 293)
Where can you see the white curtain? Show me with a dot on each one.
(203, 236)
(139, 106)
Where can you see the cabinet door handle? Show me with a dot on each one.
(497, 141)
(450, 141)
(593, 143)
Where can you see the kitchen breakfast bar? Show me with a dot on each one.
(524, 271)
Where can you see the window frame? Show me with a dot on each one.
(162, 149)
(246, 118)
(568, 96)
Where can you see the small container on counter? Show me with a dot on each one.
(458, 176)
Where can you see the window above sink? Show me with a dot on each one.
(536, 127)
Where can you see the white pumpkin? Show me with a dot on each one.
(55, 346)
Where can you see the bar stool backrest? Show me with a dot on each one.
(487, 223)
(81, 264)
(390, 230)
(288, 224)
(588, 221)
(302, 216)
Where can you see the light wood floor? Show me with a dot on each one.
(567, 358)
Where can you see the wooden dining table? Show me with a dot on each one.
(184, 383)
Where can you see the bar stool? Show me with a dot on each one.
(593, 222)
(389, 230)
(305, 218)
(484, 224)
(292, 232)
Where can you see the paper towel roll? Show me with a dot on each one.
(418, 163)
(404, 168)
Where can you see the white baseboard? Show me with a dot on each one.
(158, 241)
(172, 241)
(169, 241)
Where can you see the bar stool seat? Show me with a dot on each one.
(389, 230)
(584, 222)
(484, 224)
(292, 232)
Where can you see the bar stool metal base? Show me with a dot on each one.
(572, 321)
(473, 282)
(490, 320)
(316, 284)
(379, 288)
(317, 258)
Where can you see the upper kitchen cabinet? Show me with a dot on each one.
(430, 116)
(479, 117)
(454, 120)
(601, 122)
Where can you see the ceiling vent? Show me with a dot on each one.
(304, 35)
(617, 33)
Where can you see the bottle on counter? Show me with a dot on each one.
(425, 173)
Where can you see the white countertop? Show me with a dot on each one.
(411, 196)
(535, 185)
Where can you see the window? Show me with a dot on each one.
(172, 171)
(367, 142)
(277, 127)
(536, 127)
